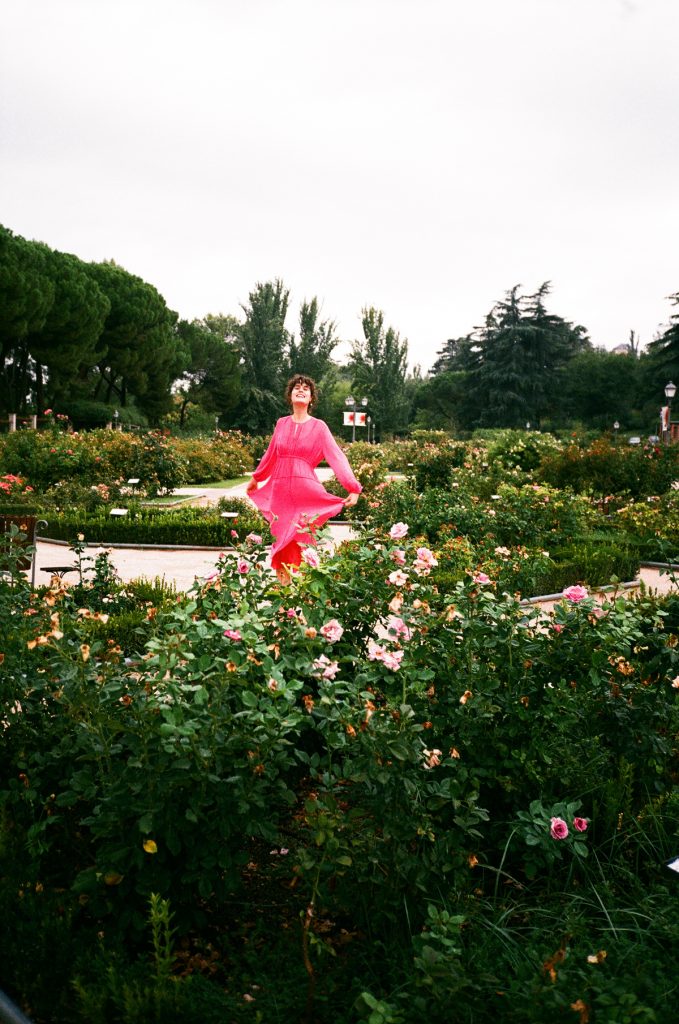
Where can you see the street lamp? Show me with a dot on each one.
(351, 403)
(616, 428)
(670, 392)
(116, 416)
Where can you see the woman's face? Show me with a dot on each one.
(301, 394)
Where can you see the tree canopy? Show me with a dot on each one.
(379, 364)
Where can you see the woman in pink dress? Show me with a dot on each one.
(293, 500)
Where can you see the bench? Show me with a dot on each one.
(59, 570)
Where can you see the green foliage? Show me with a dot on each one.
(605, 468)
(221, 458)
(434, 464)
(141, 351)
(376, 751)
(211, 381)
(518, 449)
(378, 366)
(654, 524)
(512, 365)
(191, 527)
(102, 457)
(263, 344)
(594, 562)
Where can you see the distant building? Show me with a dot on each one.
(621, 350)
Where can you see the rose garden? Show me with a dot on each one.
(395, 790)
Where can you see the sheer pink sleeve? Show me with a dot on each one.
(268, 460)
(338, 462)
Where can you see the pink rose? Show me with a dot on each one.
(425, 557)
(327, 668)
(557, 627)
(253, 538)
(232, 634)
(332, 631)
(392, 660)
(398, 530)
(234, 534)
(311, 558)
(398, 555)
(558, 828)
(397, 625)
(432, 758)
(397, 578)
(580, 824)
(575, 594)
(243, 566)
(375, 651)
(481, 578)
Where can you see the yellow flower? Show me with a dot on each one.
(150, 846)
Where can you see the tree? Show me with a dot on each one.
(517, 357)
(599, 387)
(212, 378)
(312, 355)
(378, 365)
(664, 350)
(317, 340)
(264, 343)
(143, 351)
(456, 354)
(69, 341)
(26, 297)
(441, 401)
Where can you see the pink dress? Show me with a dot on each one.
(293, 500)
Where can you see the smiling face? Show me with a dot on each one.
(301, 391)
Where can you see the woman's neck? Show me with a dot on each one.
(301, 414)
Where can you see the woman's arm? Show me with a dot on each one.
(266, 463)
(338, 462)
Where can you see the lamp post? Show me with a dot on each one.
(116, 416)
(616, 428)
(670, 392)
(351, 403)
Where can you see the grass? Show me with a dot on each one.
(223, 483)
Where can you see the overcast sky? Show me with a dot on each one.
(421, 156)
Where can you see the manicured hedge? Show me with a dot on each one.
(191, 527)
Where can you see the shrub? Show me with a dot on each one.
(394, 749)
(190, 527)
(520, 449)
(604, 468)
(434, 464)
(222, 457)
(654, 524)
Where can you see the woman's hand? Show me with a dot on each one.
(352, 499)
(252, 486)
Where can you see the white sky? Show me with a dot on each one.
(421, 156)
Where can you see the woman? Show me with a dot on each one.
(293, 500)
